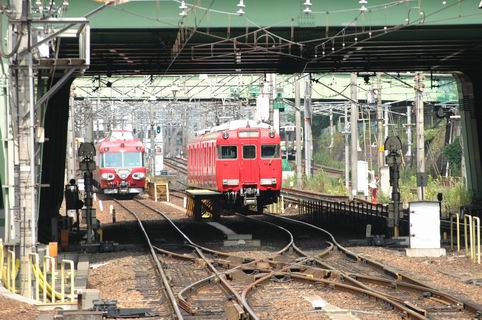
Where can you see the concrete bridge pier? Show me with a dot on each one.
(470, 100)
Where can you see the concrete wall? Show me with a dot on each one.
(470, 101)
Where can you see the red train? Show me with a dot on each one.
(241, 160)
(120, 164)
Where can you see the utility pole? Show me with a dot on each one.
(152, 164)
(308, 135)
(332, 131)
(385, 121)
(22, 83)
(421, 180)
(409, 134)
(272, 96)
(299, 174)
(71, 149)
(346, 132)
(354, 135)
(380, 140)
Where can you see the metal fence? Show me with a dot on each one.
(353, 215)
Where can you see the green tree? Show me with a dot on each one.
(453, 153)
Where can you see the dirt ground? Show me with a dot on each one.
(11, 309)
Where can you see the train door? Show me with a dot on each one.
(249, 171)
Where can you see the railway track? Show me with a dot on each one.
(331, 172)
(177, 164)
(296, 195)
(188, 264)
(366, 274)
(208, 283)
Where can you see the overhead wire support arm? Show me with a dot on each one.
(336, 91)
(71, 23)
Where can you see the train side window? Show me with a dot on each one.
(249, 152)
(227, 152)
(270, 151)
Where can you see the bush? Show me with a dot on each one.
(453, 153)
(320, 182)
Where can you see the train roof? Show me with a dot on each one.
(120, 140)
(234, 125)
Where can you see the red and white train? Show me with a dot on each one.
(120, 164)
(241, 160)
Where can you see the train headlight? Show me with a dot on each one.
(225, 135)
(138, 175)
(267, 182)
(108, 176)
(271, 133)
(230, 182)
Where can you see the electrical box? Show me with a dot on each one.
(424, 225)
(385, 180)
(362, 177)
(262, 108)
(158, 164)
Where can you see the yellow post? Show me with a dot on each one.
(72, 277)
(452, 232)
(167, 191)
(476, 225)
(7, 271)
(53, 278)
(32, 269)
(282, 204)
(2, 260)
(11, 270)
(51, 264)
(29, 278)
(44, 286)
(469, 219)
(457, 217)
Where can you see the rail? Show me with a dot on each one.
(295, 194)
(200, 253)
(164, 279)
(178, 165)
(402, 280)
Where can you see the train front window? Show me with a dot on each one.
(270, 151)
(132, 159)
(112, 160)
(227, 152)
(249, 152)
